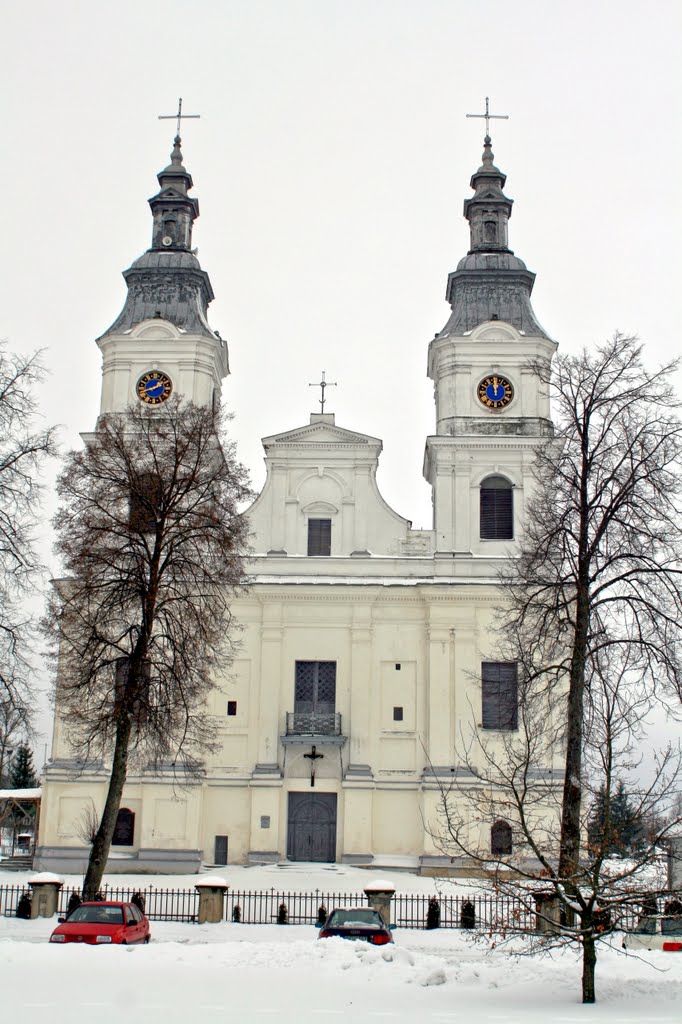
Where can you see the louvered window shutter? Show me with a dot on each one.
(497, 509)
(319, 536)
(499, 695)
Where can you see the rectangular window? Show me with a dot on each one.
(497, 510)
(315, 691)
(398, 667)
(319, 536)
(499, 695)
(146, 499)
(231, 708)
(397, 714)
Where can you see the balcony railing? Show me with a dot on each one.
(313, 723)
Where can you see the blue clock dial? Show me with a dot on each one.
(495, 391)
(154, 387)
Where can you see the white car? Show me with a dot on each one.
(657, 931)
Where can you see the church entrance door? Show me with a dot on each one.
(312, 827)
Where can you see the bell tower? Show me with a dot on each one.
(161, 343)
(492, 410)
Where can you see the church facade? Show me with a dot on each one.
(365, 650)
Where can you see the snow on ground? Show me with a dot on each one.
(256, 973)
(293, 877)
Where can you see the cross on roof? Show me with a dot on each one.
(488, 117)
(180, 116)
(323, 384)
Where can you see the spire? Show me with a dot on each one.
(490, 283)
(174, 212)
(489, 210)
(167, 282)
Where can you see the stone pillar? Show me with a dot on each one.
(211, 900)
(439, 695)
(379, 895)
(547, 913)
(357, 728)
(44, 895)
(269, 687)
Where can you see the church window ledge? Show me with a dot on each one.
(313, 727)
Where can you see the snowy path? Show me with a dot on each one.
(257, 973)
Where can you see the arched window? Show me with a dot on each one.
(124, 829)
(497, 509)
(501, 838)
(490, 230)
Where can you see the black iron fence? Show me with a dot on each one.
(160, 904)
(486, 911)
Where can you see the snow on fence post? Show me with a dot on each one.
(211, 899)
(45, 894)
(379, 895)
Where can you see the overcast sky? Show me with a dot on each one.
(331, 162)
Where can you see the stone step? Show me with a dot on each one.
(24, 863)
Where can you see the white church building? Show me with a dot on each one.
(365, 650)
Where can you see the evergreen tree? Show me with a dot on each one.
(615, 824)
(22, 773)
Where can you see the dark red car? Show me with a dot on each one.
(356, 923)
(102, 922)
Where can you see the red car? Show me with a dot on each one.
(101, 922)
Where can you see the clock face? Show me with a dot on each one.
(154, 387)
(495, 391)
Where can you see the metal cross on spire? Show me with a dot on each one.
(180, 116)
(489, 117)
(323, 384)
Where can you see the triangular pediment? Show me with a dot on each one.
(172, 194)
(321, 434)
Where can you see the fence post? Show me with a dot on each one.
(211, 900)
(547, 912)
(379, 895)
(45, 894)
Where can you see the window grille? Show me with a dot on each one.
(315, 687)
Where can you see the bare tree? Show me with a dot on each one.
(86, 825)
(600, 569)
(23, 449)
(592, 618)
(152, 540)
(502, 808)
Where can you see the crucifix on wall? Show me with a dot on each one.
(313, 756)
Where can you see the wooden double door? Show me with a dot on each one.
(311, 831)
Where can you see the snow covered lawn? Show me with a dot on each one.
(256, 973)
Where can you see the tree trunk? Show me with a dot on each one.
(569, 850)
(105, 833)
(589, 964)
